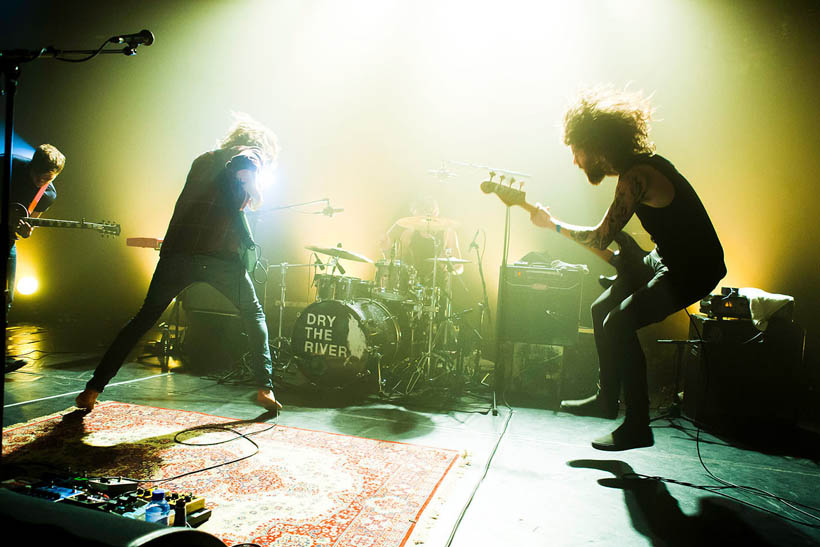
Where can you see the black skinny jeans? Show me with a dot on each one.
(173, 274)
(644, 296)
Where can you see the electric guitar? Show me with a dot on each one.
(627, 260)
(19, 212)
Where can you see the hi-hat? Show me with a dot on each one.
(448, 260)
(427, 223)
(338, 252)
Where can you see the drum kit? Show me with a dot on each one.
(387, 334)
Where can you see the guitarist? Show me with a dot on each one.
(32, 186)
(202, 244)
(608, 132)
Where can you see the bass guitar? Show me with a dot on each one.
(627, 260)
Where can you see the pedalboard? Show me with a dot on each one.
(109, 494)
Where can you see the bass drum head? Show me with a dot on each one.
(339, 344)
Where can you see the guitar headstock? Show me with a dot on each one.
(509, 195)
(109, 228)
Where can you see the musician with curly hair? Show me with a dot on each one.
(608, 133)
(203, 244)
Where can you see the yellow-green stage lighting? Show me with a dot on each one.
(27, 285)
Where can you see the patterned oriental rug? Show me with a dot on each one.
(302, 489)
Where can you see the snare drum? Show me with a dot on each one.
(341, 287)
(394, 279)
(341, 343)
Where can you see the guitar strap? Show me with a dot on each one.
(37, 197)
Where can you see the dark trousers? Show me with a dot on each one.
(173, 274)
(647, 295)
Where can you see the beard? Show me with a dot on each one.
(595, 174)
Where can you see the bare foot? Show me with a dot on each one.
(87, 399)
(267, 399)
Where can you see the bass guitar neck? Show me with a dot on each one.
(510, 196)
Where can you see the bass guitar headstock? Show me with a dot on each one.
(506, 193)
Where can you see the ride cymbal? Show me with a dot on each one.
(338, 252)
(427, 223)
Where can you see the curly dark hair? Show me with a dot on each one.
(610, 122)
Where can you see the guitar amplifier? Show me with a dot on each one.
(739, 375)
(541, 305)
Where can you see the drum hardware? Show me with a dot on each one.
(449, 263)
(443, 360)
(427, 223)
(338, 252)
(448, 260)
(425, 365)
(339, 344)
(280, 341)
(394, 280)
(341, 287)
(329, 286)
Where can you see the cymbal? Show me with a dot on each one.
(448, 259)
(427, 223)
(338, 252)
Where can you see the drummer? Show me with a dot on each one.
(413, 240)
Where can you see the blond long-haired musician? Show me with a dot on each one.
(202, 244)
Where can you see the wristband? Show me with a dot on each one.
(558, 228)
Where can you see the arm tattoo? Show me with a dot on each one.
(629, 193)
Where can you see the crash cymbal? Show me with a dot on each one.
(449, 260)
(427, 223)
(338, 252)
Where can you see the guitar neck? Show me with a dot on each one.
(604, 254)
(53, 223)
(106, 228)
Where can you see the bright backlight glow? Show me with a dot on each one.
(27, 285)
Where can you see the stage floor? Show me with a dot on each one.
(532, 478)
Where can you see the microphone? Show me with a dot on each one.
(474, 245)
(144, 37)
(330, 211)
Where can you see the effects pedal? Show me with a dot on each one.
(112, 486)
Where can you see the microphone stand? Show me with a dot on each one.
(485, 305)
(499, 382)
(260, 212)
(10, 62)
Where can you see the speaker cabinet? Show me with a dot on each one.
(214, 338)
(541, 305)
(740, 376)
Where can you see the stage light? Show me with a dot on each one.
(27, 285)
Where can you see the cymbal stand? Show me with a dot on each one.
(424, 366)
(280, 340)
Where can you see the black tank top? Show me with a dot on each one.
(682, 231)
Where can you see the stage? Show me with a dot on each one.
(527, 476)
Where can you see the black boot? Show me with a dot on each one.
(13, 364)
(595, 406)
(631, 434)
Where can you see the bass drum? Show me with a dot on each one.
(339, 344)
